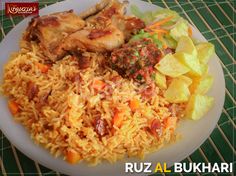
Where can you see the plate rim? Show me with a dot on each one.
(56, 169)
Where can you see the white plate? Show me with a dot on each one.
(194, 133)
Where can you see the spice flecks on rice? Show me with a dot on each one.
(72, 118)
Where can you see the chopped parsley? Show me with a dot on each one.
(139, 77)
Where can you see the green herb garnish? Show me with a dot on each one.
(139, 77)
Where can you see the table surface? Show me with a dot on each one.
(216, 20)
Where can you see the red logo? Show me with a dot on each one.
(19, 8)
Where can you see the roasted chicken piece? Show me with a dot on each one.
(114, 13)
(50, 31)
(100, 35)
(107, 29)
(95, 40)
(94, 9)
(104, 27)
(128, 25)
(114, 7)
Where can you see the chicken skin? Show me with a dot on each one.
(50, 30)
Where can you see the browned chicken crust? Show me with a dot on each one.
(103, 28)
(94, 40)
(50, 30)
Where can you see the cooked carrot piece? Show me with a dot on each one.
(98, 84)
(160, 37)
(42, 67)
(134, 104)
(73, 157)
(170, 122)
(165, 46)
(117, 119)
(161, 22)
(159, 31)
(190, 31)
(13, 106)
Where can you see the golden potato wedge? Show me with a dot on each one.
(205, 51)
(177, 92)
(190, 61)
(180, 29)
(198, 106)
(186, 79)
(160, 80)
(205, 69)
(201, 85)
(185, 45)
(170, 66)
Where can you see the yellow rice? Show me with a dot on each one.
(72, 107)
